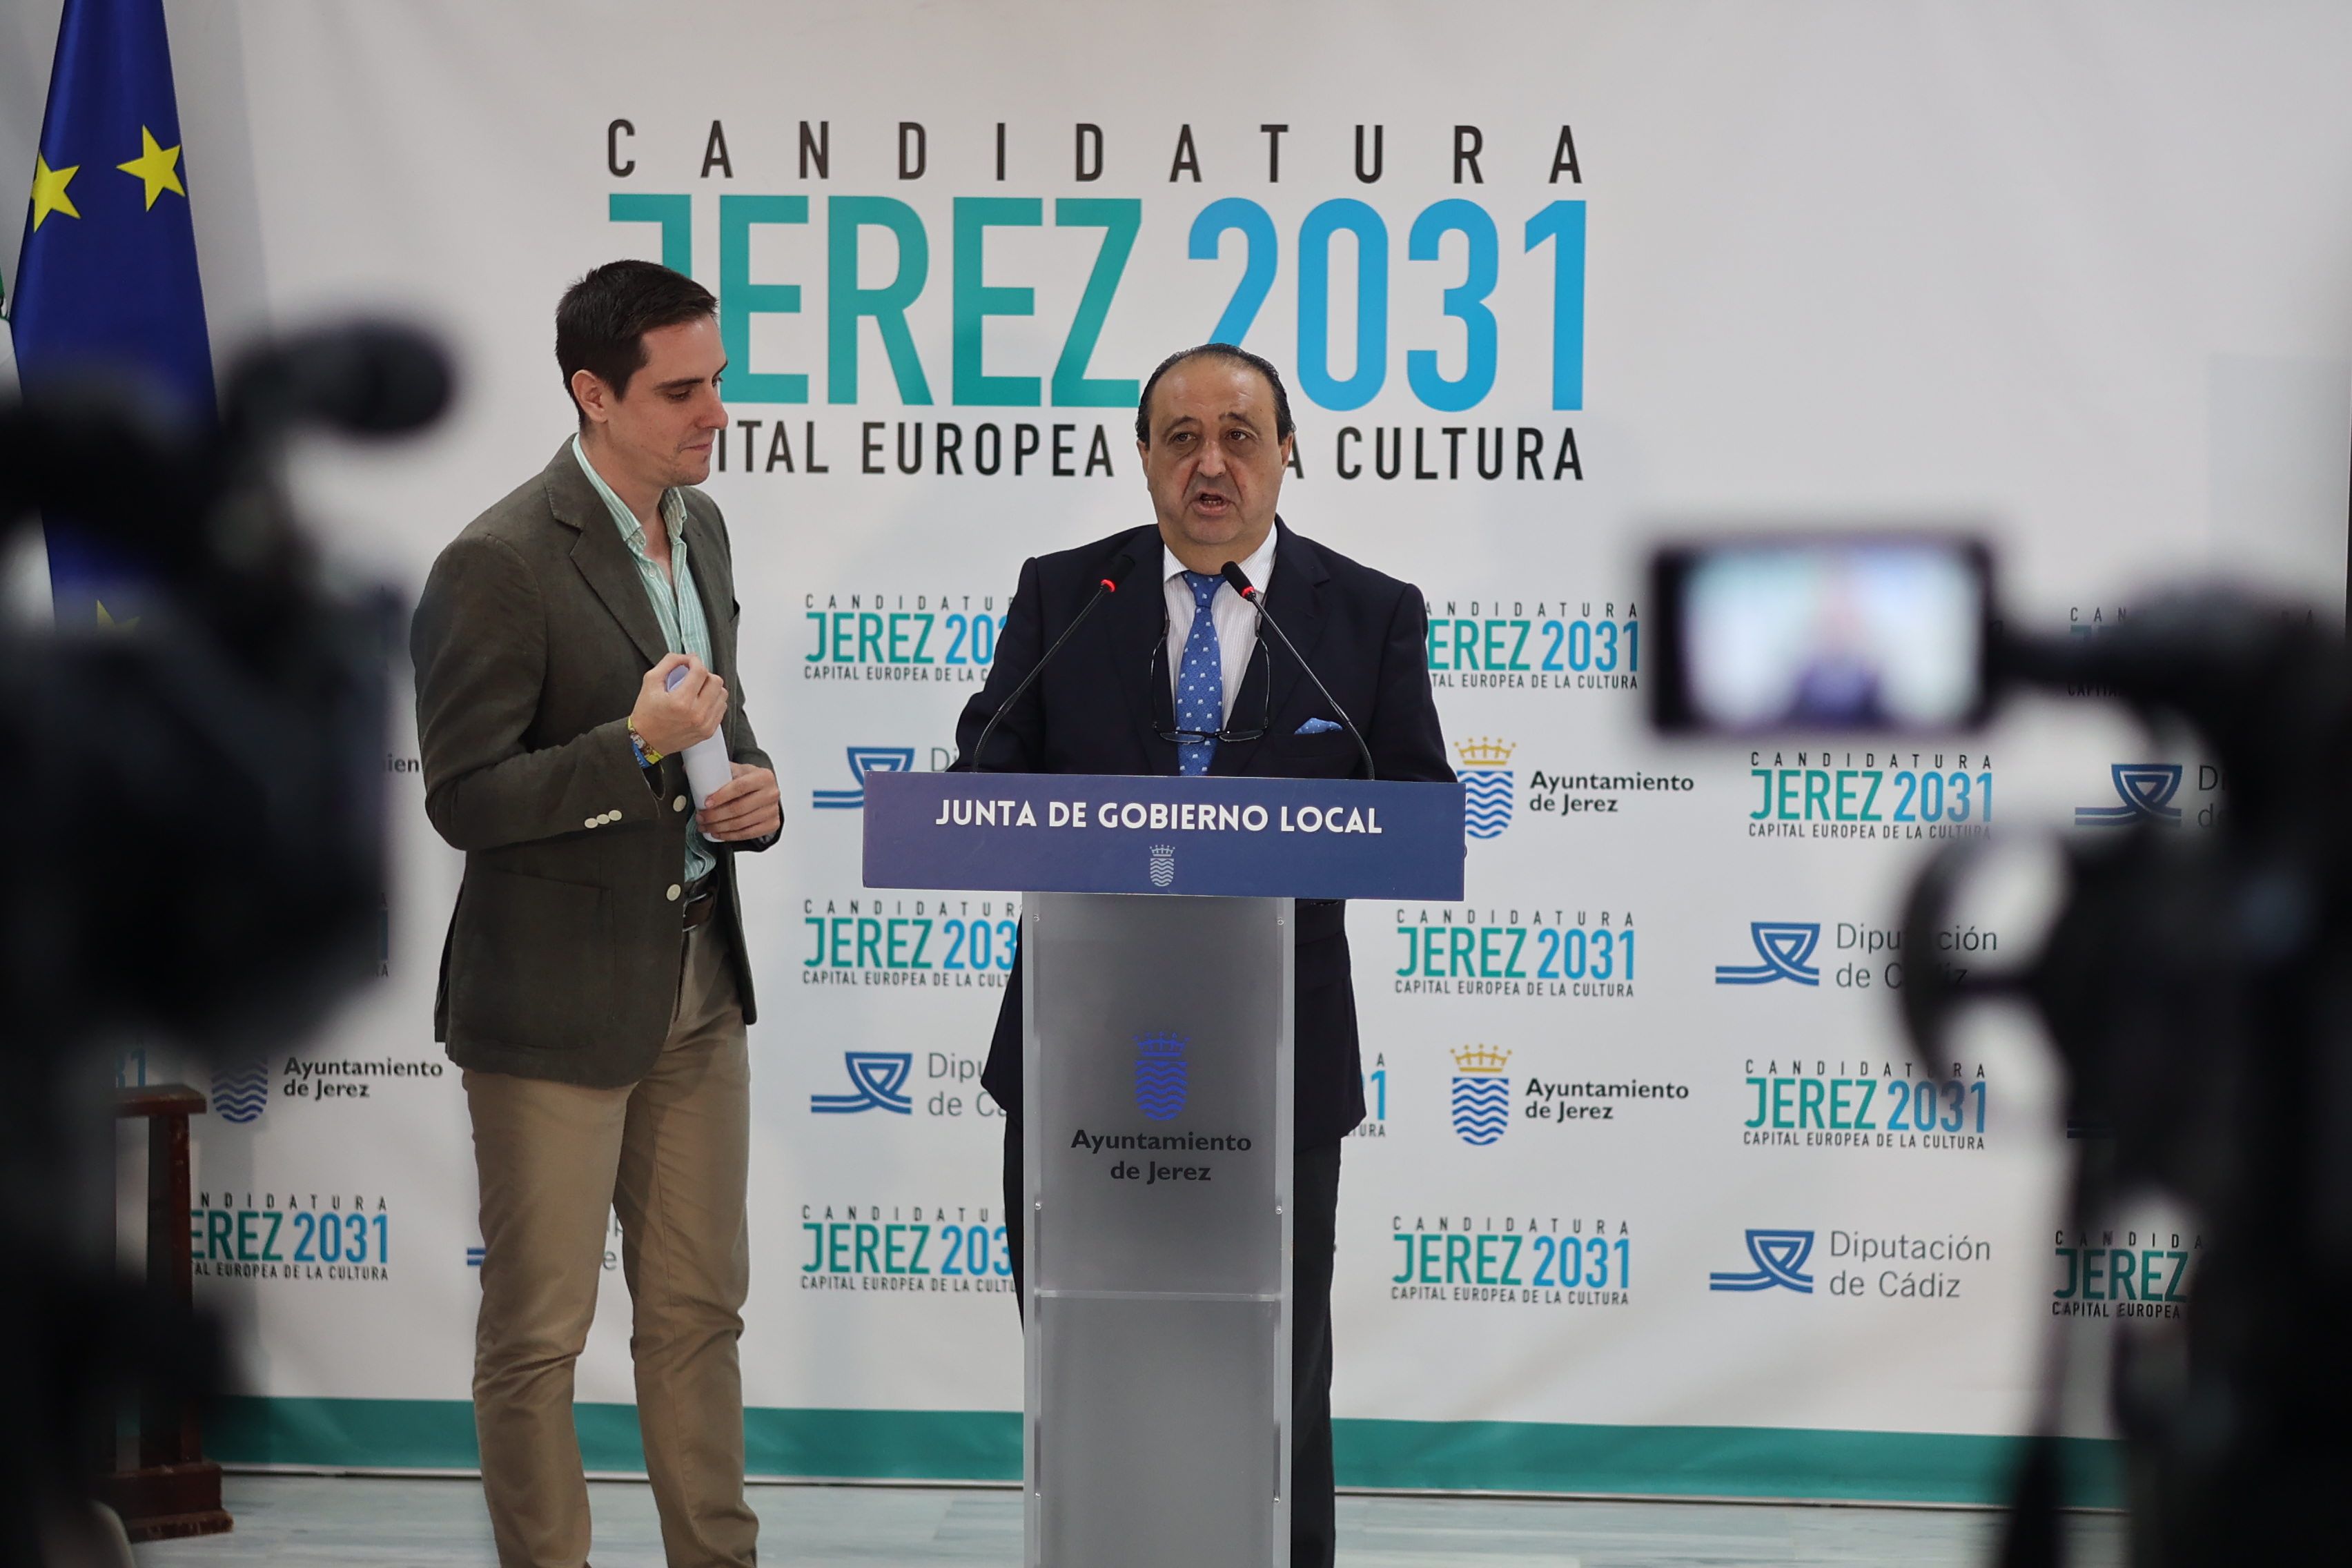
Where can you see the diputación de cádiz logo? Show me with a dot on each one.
(879, 1079)
(2145, 791)
(1779, 1257)
(240, 1094)
(1482, 1094)
(1161, 1078)
(1786, 949)
(1487, 782)
(864, 760)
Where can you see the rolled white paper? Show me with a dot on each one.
(706, 760)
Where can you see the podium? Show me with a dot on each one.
(1157, 929)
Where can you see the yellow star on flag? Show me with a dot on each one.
(107, 623)
(50, 190)
(157, 166)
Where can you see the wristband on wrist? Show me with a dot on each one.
(646, 756)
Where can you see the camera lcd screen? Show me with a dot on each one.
(1867, 634)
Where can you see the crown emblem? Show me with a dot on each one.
(1162, 1045)
(1481, 1095)
(1483, 752)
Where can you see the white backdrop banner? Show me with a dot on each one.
(1544, 279)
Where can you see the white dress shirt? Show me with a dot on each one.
(1236, 620)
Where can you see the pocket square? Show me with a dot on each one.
(1317, 727)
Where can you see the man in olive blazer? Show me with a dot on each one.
(561, 959)
(594, 986)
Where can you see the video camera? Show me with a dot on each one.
(2196, 986)
(191, 842)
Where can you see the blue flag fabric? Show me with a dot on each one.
(107, 281)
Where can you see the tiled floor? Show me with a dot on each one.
(295, 1521)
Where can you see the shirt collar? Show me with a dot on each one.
(672, 505)
(1258, 567)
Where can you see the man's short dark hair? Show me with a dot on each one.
(602, 321)
(1238, 355)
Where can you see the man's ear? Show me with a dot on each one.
(588, 389)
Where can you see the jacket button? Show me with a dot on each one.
(613, 816)
(674, 890)
(591, 822)
(679, 804)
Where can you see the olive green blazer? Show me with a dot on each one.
(530, 641)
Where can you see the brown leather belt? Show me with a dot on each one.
(702, 903)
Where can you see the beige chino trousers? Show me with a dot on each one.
(669, 1154)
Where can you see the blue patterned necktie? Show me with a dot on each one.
(1200, 679)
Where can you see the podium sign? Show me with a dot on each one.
(1233, 837)
(1156, 1120)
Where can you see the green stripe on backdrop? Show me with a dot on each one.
(1444, 1455)
(1707, 1461)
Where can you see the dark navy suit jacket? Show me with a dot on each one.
(1096, 710)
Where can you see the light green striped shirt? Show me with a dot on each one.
(675, 605)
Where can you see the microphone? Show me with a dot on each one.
(369, 378)
(1239, 579)
(1113, 576)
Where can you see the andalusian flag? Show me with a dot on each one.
(107, 282)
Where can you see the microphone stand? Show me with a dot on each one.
(1115, 572)
(1241, 585)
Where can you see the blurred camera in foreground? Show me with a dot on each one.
(190, 840)
(2196, 984)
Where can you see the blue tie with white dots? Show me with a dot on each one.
(1200, 679)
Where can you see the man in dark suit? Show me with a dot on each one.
(595, 987)
(1170, 676)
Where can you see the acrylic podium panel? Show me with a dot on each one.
(1157, 1064)
(1155, 962)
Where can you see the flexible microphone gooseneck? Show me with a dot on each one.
(1239, 579)
(1113, 576)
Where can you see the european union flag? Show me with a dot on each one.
(107, 282)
